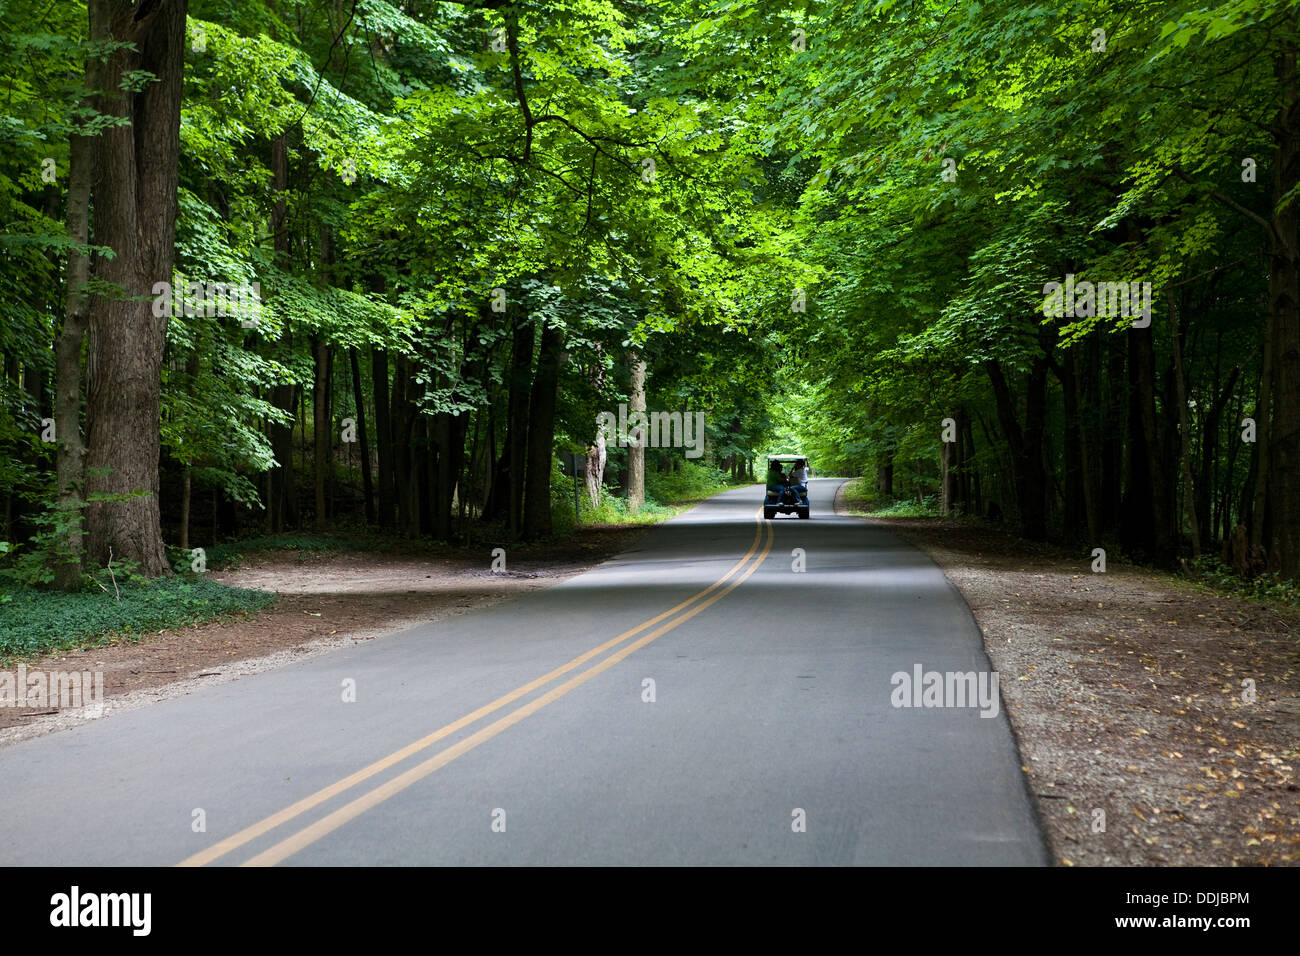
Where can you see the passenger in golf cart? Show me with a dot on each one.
(799, 478)
(786, 494)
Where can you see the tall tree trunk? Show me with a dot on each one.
(517, 424)
(321, 425)
(1025, 445)
(1034, 521)
(885, 473)
(541, 436)
(595, 475)
(1184, 428)
(489, 455)
(70, 456)
(423, 492)
(1114, 426)
(636, 440)
(1211, 425)
(403, 453)
(946, 474)
(367, 481)
(383, 436)
(970, 478)
(1147, 523)
(449, 432)
(1077, 512)
(186, 492)
(135, 207)
(282, 508)
(1226, 516)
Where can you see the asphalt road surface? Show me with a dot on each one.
(699, 700)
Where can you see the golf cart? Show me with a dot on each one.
(784, 498)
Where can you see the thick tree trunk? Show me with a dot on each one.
(449, 432)
(541, 436)
(1147, 524)
(505, 499)
(1025, 446)
(517, 425)
(135, 205)
(885, 474)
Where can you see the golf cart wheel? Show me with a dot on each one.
(803, 512)
(769, 513)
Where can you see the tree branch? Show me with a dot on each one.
(1232, 204)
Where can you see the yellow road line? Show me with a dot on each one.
(327, 824)
(220, 849)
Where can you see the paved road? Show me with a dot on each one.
(524, 733)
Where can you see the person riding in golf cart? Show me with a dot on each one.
(786, 494)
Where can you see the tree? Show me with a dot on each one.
(135, 208)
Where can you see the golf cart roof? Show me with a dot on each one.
(793, 457)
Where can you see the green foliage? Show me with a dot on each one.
(36, 621)
(425, 167)
(32, 563)
(667, 494)
(694, 482)
(1210, 570)
(910, 508)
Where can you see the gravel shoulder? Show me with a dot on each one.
(1130, 692)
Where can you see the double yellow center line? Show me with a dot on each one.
(692, 606)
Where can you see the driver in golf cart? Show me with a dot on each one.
(776, 478)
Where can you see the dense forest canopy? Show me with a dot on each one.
(280, 264)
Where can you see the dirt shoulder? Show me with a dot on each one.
(323, 602)
(1125, 689)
